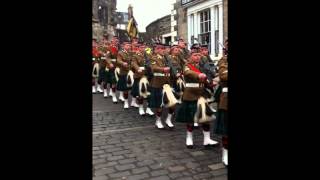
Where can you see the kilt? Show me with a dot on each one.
(122, 83)
(155, 98)
(217, 93)
(186, 112)
(135, 88)
(174, 85)
(110, 77)
(221, 123)
(101, 77)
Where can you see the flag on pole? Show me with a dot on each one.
(132, 28)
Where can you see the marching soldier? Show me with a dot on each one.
(95, 62)
(102, 65)
(139, 68)
(221, 125)
(176, 66)
(110, 79)
(124, 63)
(161, 73)
(135, 51)
(194, 107)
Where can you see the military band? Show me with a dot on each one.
(159, 77)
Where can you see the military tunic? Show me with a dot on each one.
(111, 59)
(102, 64)
(178, 64)
(123, 56)
(95, 59)
(222, 114)
(193, 90)
(138, 62)
(158, 80)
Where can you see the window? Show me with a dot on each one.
(205, 20)
(205, 28)
(125, 17)
(103, 15)
(183, 2)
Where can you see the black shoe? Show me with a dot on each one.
(212, 145)
(189, 146)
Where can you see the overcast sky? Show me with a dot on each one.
(146, 11)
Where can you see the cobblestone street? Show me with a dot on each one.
(127, 146)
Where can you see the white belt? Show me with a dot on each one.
(160, 74)
(113, 60)
(194, 85)
(103, 57)
(141, 68)
(225, 89)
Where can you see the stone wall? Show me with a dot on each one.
(182, 21)
(159, 27)
(225, 20)
(104, 21)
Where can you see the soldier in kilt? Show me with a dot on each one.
(194, 89)
(102, 66)
(176, 71)
(161, 73)
(95, 65)
(139, 69)
(124, 63)
(135, 87)
(110, 78)
(221, 125)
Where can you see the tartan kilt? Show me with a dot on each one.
(174, 85)
(221, 123)
(186, 112)
(155, 98)
(217, 93)
(110, 77)
(101, 77)
(122, 83)
(135, 88)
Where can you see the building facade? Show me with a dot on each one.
(103, 18)
(225, 20)
(173, 34)
(160, 29)
(205, 24)
(181, 18)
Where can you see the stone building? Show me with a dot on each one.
(181, 18)
(204, 22)
(225, 20)
(103, 18)
(160, 27)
